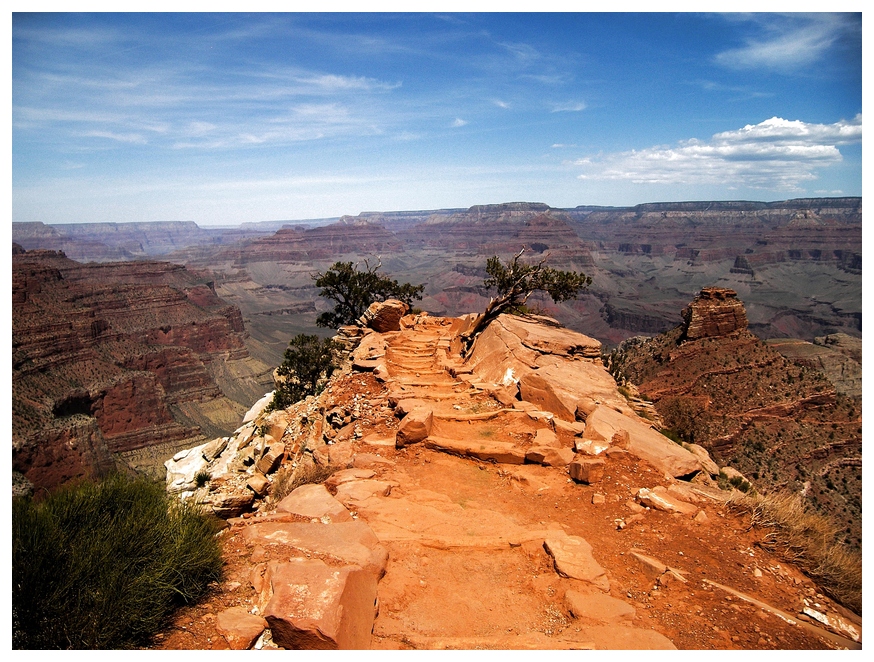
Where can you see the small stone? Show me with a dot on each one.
(598, 498)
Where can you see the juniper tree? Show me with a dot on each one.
(308, 363)
(353, 290)
(515, 281)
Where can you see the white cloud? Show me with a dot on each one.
(500, 104)
(776, 154)
(458, 123)
(569, 107)
(789, 41)
(132, 138)
(336, 83)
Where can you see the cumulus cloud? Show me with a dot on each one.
(776, 154)
(788, 41)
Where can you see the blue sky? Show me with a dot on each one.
(228, 118)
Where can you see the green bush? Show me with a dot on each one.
(102, 565)
(308, 363)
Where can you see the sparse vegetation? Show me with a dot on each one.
(516, 281)
(102, 565)
(352, 290)
(808, 540)
(288, 479)
(201, 478)
(308, 364)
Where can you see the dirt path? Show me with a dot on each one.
(484, 555)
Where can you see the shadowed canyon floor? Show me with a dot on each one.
(487, 552)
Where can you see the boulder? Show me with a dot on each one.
(573, 558)
(231, 504)
(546, 437)
(259, 484)
(239, 628)
(549, 456)
(589, 470)
(214, 448)
(272, 457)
(318, 607)
(415, 427)
(384, 316)
(316, 502)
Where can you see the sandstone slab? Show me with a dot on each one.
(314, 501)
(481, 449)
(661, 499)
(597, 607)
(644, 442)
(316, 607)
(345, 475)
(351, 492)
(350, 543)
(573, 558)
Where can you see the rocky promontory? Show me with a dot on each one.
(515, 499)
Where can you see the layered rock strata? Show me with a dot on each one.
(119, 355)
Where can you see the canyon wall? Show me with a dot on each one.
(113, 361)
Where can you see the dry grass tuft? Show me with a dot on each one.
(806, 539)
(288, 479)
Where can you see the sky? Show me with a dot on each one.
(229, 118)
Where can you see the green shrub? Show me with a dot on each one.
(308, 363)
(102, 565)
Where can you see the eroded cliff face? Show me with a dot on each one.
(715, 312)
(780, 421)
(107, 358)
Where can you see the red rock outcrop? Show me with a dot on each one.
(715, 312)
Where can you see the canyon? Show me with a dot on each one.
(796, 264)
(516, 453)
(120, 364)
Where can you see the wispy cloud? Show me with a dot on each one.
(457, 123)
(131, 138)
(568, 107)
(334, 83)
(788, 41)
(776, 154)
